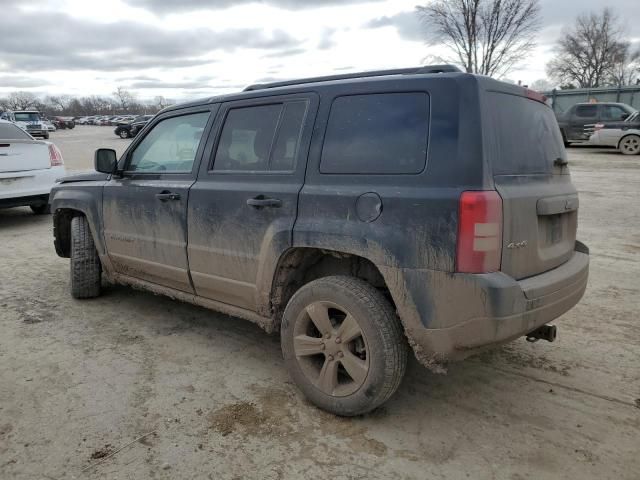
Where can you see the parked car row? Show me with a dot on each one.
(105, 119)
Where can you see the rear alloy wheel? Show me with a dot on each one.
(86, 269)
(123, 134)
(630, 145)
(343, 345)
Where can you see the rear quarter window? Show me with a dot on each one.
(382, 133)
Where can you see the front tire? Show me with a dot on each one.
(85, 263)
(343, 345)
(123, 134)
(630, 145)
(46, 136)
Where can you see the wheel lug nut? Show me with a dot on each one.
(340, 354)
(330, 357)
(338, 340)
(327, 335)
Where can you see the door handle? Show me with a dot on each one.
(164, 196)
(261, 201)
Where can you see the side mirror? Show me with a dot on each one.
(105, 160)
(624, 116)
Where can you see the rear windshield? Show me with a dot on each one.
(11, 132)
(524, 133)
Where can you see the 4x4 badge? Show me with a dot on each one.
(521, 244)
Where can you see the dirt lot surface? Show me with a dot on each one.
(80, 380)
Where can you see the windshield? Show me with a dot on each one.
(27, 117)
(11, 132)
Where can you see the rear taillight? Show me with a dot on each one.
(55, 156)
(479, 232)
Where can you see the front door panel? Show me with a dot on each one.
(145, 207)
(146, 236)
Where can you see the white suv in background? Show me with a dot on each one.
(28, 169)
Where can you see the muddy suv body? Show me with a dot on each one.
(351, 213)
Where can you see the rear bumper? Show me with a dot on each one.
(505, 309)
(21, 188)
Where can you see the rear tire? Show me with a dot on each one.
(123, 134)
(630, 145)
(85, 263)
(41, 209)
(46, 136)
(343, 345)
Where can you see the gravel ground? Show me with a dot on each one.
(79, 380)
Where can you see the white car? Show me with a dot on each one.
(28, 169)
(625, 136)
(49, 126)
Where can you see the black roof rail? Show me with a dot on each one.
(345, 76)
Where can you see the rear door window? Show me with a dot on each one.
(586, 111)
(261, 138)
(382, 133)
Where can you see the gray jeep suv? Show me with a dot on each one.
(360, 215)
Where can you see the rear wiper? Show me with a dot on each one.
(561, 162)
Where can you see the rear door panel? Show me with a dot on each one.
(233, 245)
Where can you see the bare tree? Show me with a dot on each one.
(485, 36)
(59, 102)
(591, 51)
(542, 85)
(160, 102)
(124, 98)
(626, 68)
(20, 101)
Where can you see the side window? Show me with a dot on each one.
(261, 138)
(614, 112)
(586, 111)
(285, 150)
(170, 146)
(377, 134)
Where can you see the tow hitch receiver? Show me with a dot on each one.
(545, 332)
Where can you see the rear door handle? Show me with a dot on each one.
(261, 201)
(164, 196)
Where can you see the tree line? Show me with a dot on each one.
(491, 37)
(120, 102)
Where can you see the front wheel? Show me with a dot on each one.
(343, 345)
(85, 263)
(123, 134)
(630, 145)
(46, 136)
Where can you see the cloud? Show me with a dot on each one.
(326, 39)
(20, 81)
(406, 23)
(285, 53)
(85, 45)
(172, 6)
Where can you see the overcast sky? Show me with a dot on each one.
(192, 48)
